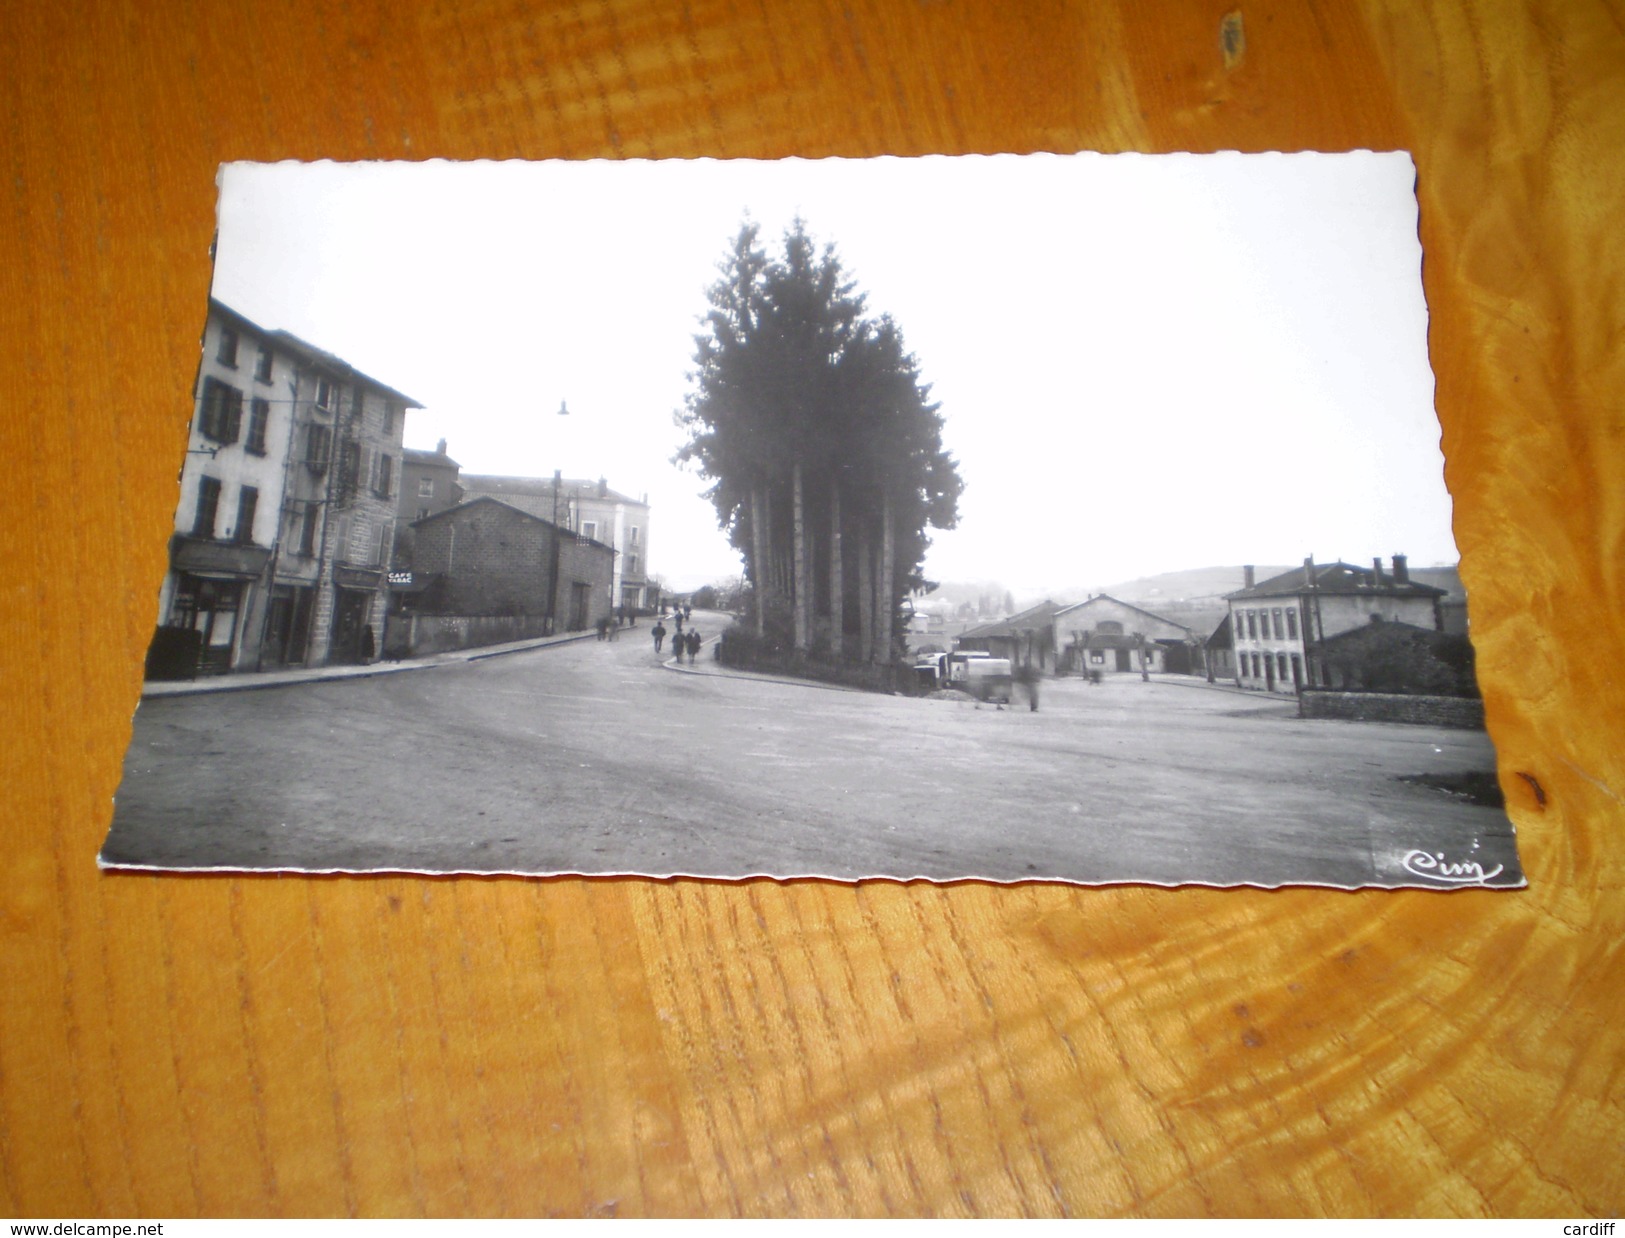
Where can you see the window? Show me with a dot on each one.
(1252, 625)
(424, 513)
(1297, 666)
(631, 565)
(226, 352)
(208, 506)
(1109, 627)
(248, 502)
(1258, 669)
(1292, 623)
(589, 530)
(425, 487)
(383, 475)
(222, 411)
(392, 412)
(1097, 657)
(257, 421)
(1280, 632)
(326, 395)
(318, 448)
(262, 368)
(308, 530)
(1280, 666)
(632, 536)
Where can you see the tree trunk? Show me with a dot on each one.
(758, 553)
(885, 597)
(802, 601)
(837, 596)
(866, 595)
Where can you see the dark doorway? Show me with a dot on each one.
(1124, 662)
(287, 627)
(349, 624)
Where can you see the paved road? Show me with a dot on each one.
(594, 757)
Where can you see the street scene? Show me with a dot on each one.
(839, 560)
(599, 757)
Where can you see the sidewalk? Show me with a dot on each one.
(249, 681)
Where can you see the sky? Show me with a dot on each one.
(1144, 362)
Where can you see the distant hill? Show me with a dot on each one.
(1192, 596)
(1194, 584)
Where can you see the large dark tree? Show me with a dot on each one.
(816, 430)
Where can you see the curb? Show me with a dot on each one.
(250, 681)
(672, 664)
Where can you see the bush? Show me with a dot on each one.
(743, 650)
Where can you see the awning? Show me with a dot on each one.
(216, 560)
(348, 577)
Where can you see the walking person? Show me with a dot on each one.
(660, 636)
(1028, 676)
(694, 643)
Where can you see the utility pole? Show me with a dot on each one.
(553, 566)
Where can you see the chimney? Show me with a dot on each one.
(440, 448)
(603, 488)
(1376, 572)
(1247, 576)
(1402, 570)
(1309, 572)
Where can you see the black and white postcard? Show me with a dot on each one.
(1061, 518)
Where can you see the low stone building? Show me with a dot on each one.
(486, 560)
(1027, 638)
(1399, 658)
(593, 510)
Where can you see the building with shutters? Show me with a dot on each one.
(1281, 629)
(287, 512)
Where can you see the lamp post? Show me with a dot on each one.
(553, 558)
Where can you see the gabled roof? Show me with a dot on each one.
(1220, 637)
(1335, 578)
(335, 365)
(1040, 616)
(1139, 610)
(415, 455)
(517, 489)
(508, 507)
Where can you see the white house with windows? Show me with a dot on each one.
(1277, 626)
(287, 508)
(591, 509)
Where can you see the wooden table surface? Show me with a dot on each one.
(282, 1046)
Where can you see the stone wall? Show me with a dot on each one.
(412, 636)
(1454, 711)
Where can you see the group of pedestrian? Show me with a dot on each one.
(688, 642)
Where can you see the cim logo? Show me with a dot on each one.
(1432, 866)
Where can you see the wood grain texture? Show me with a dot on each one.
(178, 1046)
